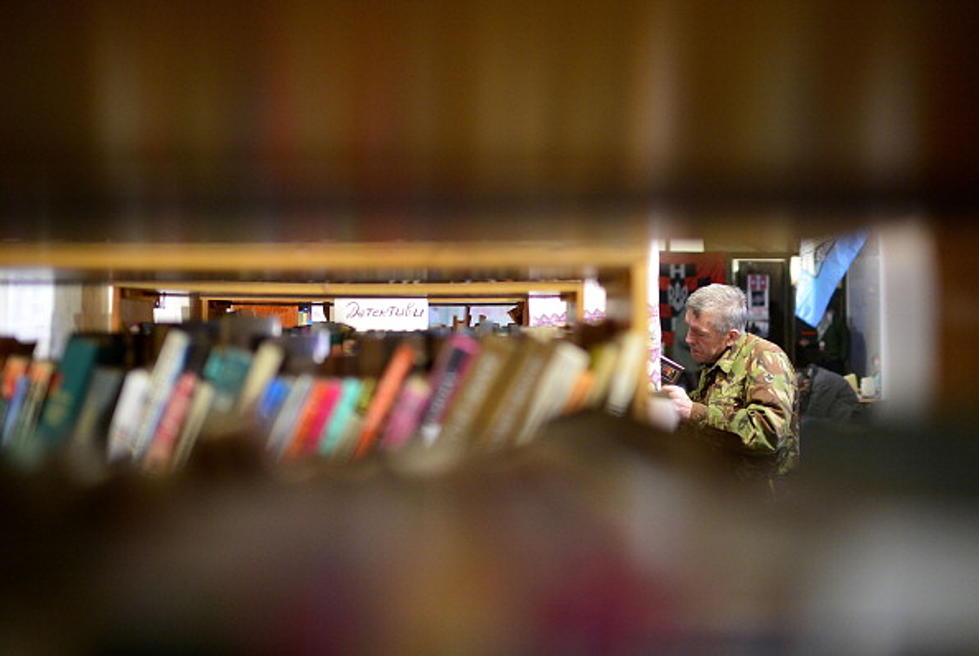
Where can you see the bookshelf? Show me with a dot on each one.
(285, 271)
(288, 269)
(442, 293)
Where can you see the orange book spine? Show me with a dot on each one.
(387, 391)
(579, 393)
(307, 417)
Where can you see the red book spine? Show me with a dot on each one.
(311, 441)
(160, 453)
(307, 416)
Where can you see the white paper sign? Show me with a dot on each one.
(758, 296)
(382, 313)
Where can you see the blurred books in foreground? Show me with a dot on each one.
(326, 393)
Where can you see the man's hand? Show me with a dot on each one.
(681, 402)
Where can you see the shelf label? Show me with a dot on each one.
(382, 313)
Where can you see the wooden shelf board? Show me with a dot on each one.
(295, 257)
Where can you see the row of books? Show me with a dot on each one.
(324, 393)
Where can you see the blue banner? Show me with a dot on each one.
(824, 264)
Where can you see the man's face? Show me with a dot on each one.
(705, 341)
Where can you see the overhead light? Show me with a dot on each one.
(686, 245)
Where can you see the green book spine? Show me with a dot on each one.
(68, 392)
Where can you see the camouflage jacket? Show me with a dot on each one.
(751, 392)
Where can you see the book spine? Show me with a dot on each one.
(406, 413)
(14, 369)
(125, 420)
(227, 369)
(265, 366)
(603, 359)
(350, 434)
(285, 422)
(622, 387)
(67, 391)
(100, 399)
(197, 413)
(28, 449)
(553, 388)
(579, 393)
(319, 401)
(451, 368)
(165, 372)
(384, 397)
(488, 366)
(268, 406)
(346, 407)
(18, 391)
(326, 409)
(503, 418)
(160, 452)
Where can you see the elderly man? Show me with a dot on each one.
(746, 394)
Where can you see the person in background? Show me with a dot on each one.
(824, 394)
(745, 398)
(834, 339)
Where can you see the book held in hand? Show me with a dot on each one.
(670, 371)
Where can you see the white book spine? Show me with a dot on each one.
(265, 366)
(168, 366)
(622, 387)
(127, 415)
(285, 421)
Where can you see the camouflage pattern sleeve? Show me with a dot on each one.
(760, 409)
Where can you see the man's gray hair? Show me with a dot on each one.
(728, 304)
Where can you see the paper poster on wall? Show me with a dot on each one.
(758, 309)
(382, 313)
(547, 310)
(758, 296)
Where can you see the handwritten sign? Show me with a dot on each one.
(382, 313)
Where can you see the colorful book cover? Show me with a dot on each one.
(384, 396)
(22, 441)
(327, 407)
(320, 400)
(169, 365)
(346, 406)
(406, 413)
(18, 392)
(227, 369)
(350, 435)
(160, 452)
(272, 399)
(14, 369)
(81, 355)
(285, 421)
(264, 368)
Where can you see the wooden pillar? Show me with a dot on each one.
(97, 309)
